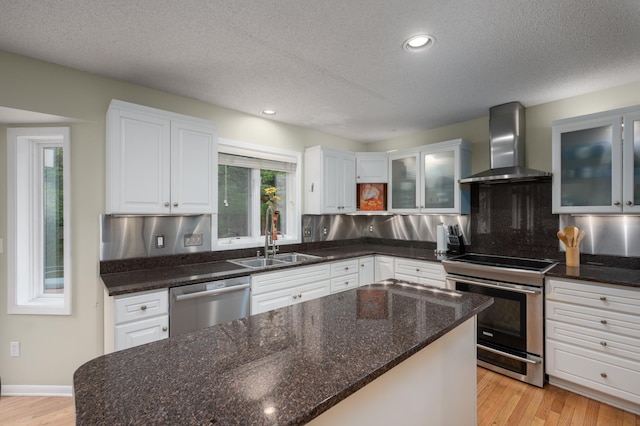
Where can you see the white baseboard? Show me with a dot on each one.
(36, 390)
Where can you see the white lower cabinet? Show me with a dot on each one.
(420, 271)
(366, 272)
(593, 340)
(135, 319)
(277, 289)
(384, 268)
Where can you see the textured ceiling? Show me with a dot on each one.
(338, 65)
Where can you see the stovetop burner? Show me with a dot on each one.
(504, 261)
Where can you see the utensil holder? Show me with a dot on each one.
(573, 256)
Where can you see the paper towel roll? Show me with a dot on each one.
(441, 238)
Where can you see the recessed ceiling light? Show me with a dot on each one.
(268, 112)
(418, 43)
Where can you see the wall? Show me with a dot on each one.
(53, 347)
(538, 126)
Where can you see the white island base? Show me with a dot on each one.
(436, 387)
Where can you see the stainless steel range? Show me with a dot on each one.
(511, 331)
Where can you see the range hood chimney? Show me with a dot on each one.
(507, 141)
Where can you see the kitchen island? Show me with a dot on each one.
(389, 352)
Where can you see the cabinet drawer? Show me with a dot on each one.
(344, 267)
(344, 283)
(140, 306)
(141, 332)
(289, 278)
(279, 299)
(418, 268)
(599, 341)
(596, 295)
(594, 318)
(605, 373)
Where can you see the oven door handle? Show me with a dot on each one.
(508, 355)
(495, 286)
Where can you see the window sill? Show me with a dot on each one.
(41, 306)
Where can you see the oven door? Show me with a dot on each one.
(510, 332)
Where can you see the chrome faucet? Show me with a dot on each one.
(269, 245)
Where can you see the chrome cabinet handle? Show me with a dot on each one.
(175, 204)
(166, 204)
(617, 203)
(604, 299)
(629, 203)
(603, 375)
(143, 307)
(346, 283)
(417, 269)
(295, 296)
(603, 322)
(299, 296)
(603, 343)
(213, 292)
(346, 268)
(164, 328)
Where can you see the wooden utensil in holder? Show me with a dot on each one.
(571, 237)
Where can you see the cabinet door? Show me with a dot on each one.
(272, 300)
(332, 167)
(384, 268)
(631, 164)
(311, 291)
(404, 191)
(138, 162)
(439, 181)
(372, 167)
(587, 166)
(347, 184)
(366, 271)
(140, 332)
(194, 176)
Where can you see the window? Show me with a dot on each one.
(39, 233)
(251, 177)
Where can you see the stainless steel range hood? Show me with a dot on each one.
(507, 140)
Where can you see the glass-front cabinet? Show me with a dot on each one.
(631, 162)
(595, 163)
(425, 179)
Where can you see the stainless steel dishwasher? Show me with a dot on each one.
(196, 306)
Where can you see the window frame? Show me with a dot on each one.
(294, 194)
(25, 240)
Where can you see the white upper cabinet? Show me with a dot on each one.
(372, 167)
(425, 180)
(329, 181)
(159, 162)
(596, 165)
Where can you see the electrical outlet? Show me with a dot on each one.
(370, 228)
(159, 241)
(324, 230)
(306, 232)
(191, 240)
(14, 349)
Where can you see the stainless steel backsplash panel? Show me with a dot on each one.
(606, 235)
(400, 227)
(124, 237)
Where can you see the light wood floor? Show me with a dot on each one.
(501, 401)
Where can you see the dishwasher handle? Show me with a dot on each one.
(214, 292)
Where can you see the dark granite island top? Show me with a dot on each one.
(283, 367)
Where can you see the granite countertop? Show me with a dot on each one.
(598, 273)
(281, 367)
(118, 283)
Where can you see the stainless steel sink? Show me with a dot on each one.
(295, 257)
(258, 263)
(279, 259)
